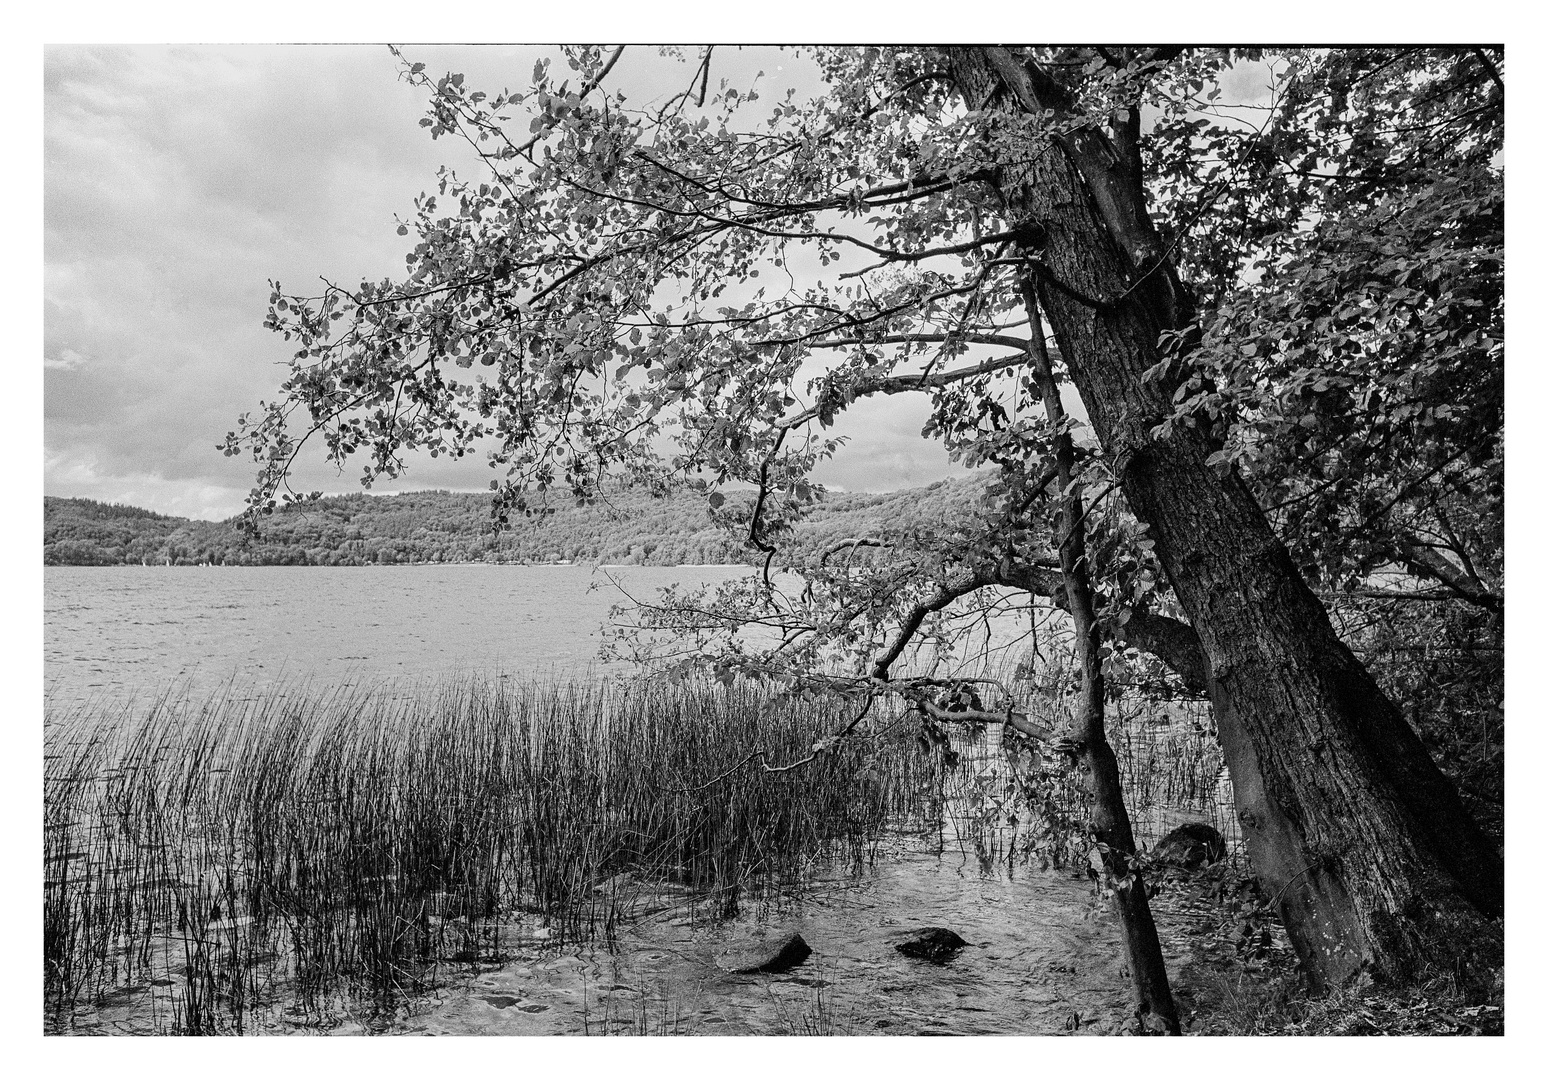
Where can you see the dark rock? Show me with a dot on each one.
(933, 943)
(781, 955)
(1190, 846)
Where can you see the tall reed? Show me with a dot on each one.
(323, 849)
(1011, 804)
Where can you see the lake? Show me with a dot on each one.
(1046, 957)
(116, 632)
(129, 632)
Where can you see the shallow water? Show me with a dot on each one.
(1044, 959)
(1046, 955)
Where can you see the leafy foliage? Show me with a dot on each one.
(690, 292)
(1353, 361)
(687, 293)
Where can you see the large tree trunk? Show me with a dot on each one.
(1372, 858)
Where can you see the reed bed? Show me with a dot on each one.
(1011, 806)
(1173, 769)
(211, 862)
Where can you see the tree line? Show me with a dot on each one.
(637, 526)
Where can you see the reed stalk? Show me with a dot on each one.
(316, 850)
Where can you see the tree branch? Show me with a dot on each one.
(822, 746)
(899, 384)
(1018, 720)
(591, 85)
(1169, 640)
(850, 542)
(1002, 340)
(1494, 72)
(944, 596)
(1424, 561)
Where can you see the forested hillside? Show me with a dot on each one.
(630, 526)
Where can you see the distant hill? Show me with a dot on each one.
(631, 526)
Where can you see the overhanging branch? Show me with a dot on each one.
(899, 384)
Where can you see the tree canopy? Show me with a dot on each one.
(693, 289)
(1274, 278)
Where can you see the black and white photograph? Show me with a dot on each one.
(772, 539)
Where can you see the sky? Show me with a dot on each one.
(178, 180)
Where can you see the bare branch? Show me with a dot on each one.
(943, 597)
(1424, 561)
(1389, 594)
(1001, 340)
(822, 746)
(1489, 66)
(851, 543)
(1018, 720)
(898, 384)
(754, 526)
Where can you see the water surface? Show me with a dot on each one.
(129, 631)
(1046, 958)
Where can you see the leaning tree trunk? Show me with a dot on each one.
(1370, 855)
(1153, 1004)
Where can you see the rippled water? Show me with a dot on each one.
(1042, 959)
(1045, 958)
(130, 631)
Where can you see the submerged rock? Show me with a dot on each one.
(1190, 846)
(780, 955)
(933, 943)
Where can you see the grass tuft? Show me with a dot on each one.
(324, 851)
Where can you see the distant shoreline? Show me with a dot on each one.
(633, 527)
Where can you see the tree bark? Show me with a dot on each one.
(1371, 857)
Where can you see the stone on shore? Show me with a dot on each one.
(1190, 846)
(777, 956)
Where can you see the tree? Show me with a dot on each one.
(1361, 374)
(609, 284)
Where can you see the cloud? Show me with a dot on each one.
(79, 477)
(179, 180)
(67, 359)
(1248, 81)
(884, 449)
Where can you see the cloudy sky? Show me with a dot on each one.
(179, 180)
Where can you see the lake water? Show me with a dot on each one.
(1049, 958)
(128, 632)
(116, 632)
